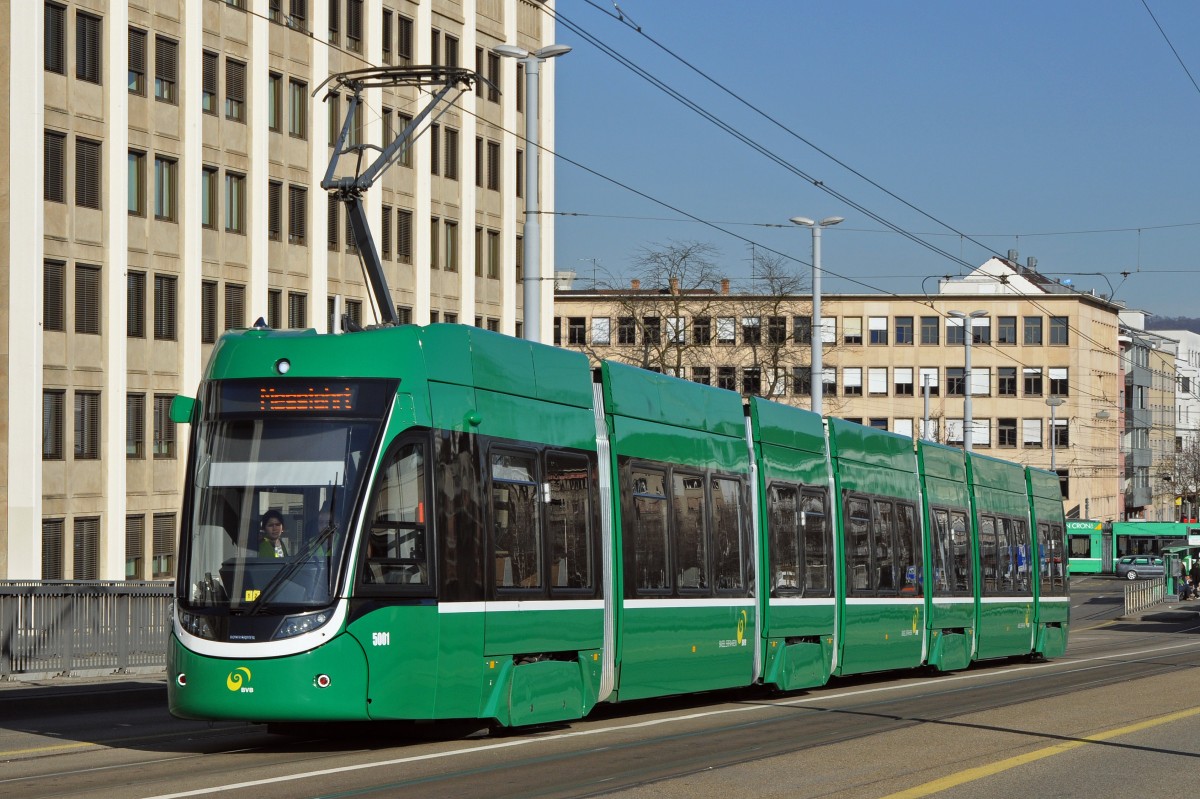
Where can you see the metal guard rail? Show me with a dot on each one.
(1142, 594)
(83, 627)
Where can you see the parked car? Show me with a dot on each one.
(1134, 567)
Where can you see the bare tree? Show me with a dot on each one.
(1181, 472)
(661, 311)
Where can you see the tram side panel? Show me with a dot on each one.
(799, 601)
(881, 622)
(1005, 545)
(950, 555)
(687, 619)
(1053, 580)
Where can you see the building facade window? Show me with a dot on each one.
(54, 183)
(1058, 382)
(297, 310)
(904, 330)
(274, 210)
(208, 197)
(1033, 331)
(165, 309)
(55, 39)
(852, 333)
(1033, 382)
(137, 62)
(297, 109)
(235, 203)
(877, 329)
(54, 295)
(1006, 432)
(208, 311)
(235, 306)
(136, 183)
(930, 330)
(88, 47)
(903, 381)
(135, 302)
(1059, 331)
(208, 82)
(297, 214)
(1006, 381)
(274, 102)
(235, 90)
(87, 172)
(135, 426)
(164, 188)
(166, 69)
(87, 299)
(164, 428)
(53, 423)
(1006, 330)
(87, 425)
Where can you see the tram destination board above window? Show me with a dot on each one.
(360, 398)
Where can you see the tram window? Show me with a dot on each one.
(816, 544)
(1080, 546)
(785, 534)
(1020, 539)
(908, 551)
(960, 539)
(943, 560)
(1050, 558)
(650, 530)
(858, 544)
(988, 556)
(691, 543)
(1005, 556)
(728, 562)
(885, 550)
(569, 516)
(515, 521)
(397, 544)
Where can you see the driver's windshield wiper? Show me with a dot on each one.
(283, 575)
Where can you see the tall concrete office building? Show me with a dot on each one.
(160, 183)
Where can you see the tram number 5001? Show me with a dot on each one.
(381, 639)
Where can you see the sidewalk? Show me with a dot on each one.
(43, 694)
(1172, 610)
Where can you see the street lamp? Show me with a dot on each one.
(533, 233)
(1053, 402)
(817, 378)
(968, 337)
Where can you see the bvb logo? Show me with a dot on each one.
(741, 629)
(234, 681)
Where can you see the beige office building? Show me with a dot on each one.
(162, 162)
(1032, 341)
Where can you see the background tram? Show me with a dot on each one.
(481, 527)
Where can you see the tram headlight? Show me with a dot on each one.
(195, 624)
(302, 623)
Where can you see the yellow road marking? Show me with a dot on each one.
(37, 750)
(979, 772)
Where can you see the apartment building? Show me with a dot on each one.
(882, 356)
(161, 185)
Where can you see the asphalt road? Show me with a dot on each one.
(1116, 716)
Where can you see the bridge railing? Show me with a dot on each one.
(82, 628)
(1142, 594)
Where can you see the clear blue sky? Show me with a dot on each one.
(1059, 128)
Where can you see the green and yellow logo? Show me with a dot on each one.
(741, 629)
(238, 680)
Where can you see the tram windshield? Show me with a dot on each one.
(273, 490)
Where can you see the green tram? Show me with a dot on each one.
(475, 526)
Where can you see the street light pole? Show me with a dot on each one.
(968, 337)
(817, 379)
(532, 242)
(1053, 402)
